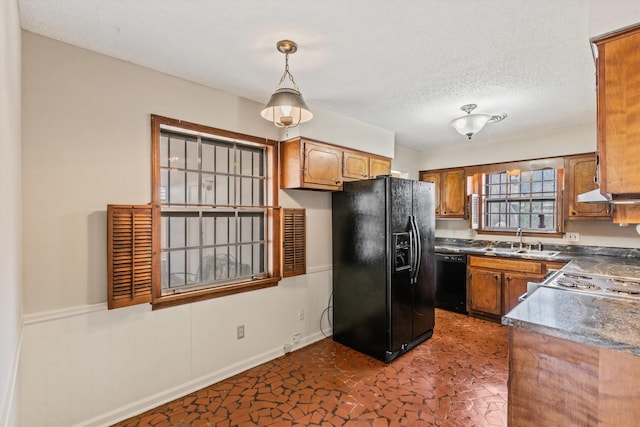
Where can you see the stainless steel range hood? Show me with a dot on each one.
(594, 196)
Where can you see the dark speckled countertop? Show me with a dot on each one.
(611, 323)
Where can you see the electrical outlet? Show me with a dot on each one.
(301, 314)
(240, 332)
(572, 237)
(295, 338)
(287, 348)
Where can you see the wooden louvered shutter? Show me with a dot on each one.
(129, 231)
(294, 260)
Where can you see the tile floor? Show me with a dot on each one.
(456, 378)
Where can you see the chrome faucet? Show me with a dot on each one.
(519, 234)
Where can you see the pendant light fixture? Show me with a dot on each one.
(286, 107)
(471, 124)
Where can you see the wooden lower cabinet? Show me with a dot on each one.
(494, 284)
(484, 292)
(515, 284)
(556, 382)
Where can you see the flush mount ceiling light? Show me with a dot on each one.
(286, 108)
(471, 124)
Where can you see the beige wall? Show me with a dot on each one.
(610, 15)
(10, 207)
(580, 139)
(347, 132)
(406, 160)
(86, 143)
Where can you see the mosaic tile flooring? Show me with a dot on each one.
(456, 378)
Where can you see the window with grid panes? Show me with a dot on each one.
(215, 218)
(528, 200)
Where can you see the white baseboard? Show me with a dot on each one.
(174, 393)
(7, 410)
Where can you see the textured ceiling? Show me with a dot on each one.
(406, 66)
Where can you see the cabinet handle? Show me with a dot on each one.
(509, 278)
(496, 277)
(574, 213)
(444, 212)
(338, 181)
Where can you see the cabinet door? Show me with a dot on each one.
(515, 284)
(484, 291)
(618, 111)
(322, 165)
(553, 265)
(379, 167)
(354, 166)
(435, 178)
(581, 174)
(453, 193)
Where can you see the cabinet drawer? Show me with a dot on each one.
(506, 264)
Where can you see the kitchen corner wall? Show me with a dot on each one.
(10, 211)
(559, 142)
(86, 144)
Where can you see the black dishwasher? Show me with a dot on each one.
(451, 282)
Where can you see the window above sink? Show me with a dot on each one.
(525, 195)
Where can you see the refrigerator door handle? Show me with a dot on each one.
(416, 249)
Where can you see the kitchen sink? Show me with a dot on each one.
(532, 252)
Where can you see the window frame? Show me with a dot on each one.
(273, 234)
(485, 199)
(475, 182)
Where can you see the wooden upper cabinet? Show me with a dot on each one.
(618, 74)
(322, 165)
(580, 174)
(433, 176)
(308, 164)
(354, 166)
(379, 166)
(451, 194)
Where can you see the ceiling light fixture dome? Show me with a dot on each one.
(471, 124)
(286, 107)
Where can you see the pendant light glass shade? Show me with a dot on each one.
(470, 124)
(286, 107)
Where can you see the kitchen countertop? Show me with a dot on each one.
(607, 322)
(598, 254)
(611, 323)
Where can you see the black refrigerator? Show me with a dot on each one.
(383, 265)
